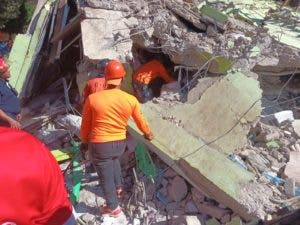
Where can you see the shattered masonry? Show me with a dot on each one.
(216, 129)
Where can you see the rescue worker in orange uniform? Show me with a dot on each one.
(97, 83)
(145, 77)
(104, 128)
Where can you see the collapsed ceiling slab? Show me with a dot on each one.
(198, 147)
(105, 34)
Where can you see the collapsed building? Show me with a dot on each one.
(218, 127)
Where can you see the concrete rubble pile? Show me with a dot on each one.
(49, 118)
(168, 200)
(227, 133)
(206, 46)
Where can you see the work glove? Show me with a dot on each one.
(149, 136)
(83, 150)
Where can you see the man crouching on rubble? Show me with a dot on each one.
(32, 190)
(10, 107)
(148, 79)
(104, 128)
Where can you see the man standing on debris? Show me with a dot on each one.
(10, 107)
(147, 77)
(32, 189)
(97, 83)
(104, 128)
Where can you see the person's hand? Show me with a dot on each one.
(149, 136)
(14, 124)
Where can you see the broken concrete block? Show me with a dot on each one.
(289, 187)
(211, 111)
(211, 31)
(193, 220)
(255, 51)
(293, 167)
(50, 136)
(258, 161)
(70, 122)
(225, 218)
(272, 145)
(296, 126)
(177, 190)
(195, 94)
(297, 147)
(136, 221)
(267, 137)
(105, 38)
(213, 16)
(284, 116)
(211, 210)
(191, 208)
(170, 91)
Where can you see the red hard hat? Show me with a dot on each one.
(114, 70)
(3, 65)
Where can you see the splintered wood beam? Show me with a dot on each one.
(70, 28)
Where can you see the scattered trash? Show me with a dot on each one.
(238, 161)
(273, 177)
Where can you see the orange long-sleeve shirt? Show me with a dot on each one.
(92, 86)
(149, 71)
(106, 114)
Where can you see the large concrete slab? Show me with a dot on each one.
(105, 34)
(211, 128)
(205, 168)
(226, 107)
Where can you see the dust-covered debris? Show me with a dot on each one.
(208, 100)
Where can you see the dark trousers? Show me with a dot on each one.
(105, 158)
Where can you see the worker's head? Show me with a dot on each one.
(102, 64)
(4, 72)
(114, 73)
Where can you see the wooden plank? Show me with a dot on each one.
(70, 43)
(69, 28)
(57, 28)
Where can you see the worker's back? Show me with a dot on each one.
(32, 189)
(94, 85)
(149, 71)
(110, 110)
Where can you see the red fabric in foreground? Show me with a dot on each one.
(32, 190)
